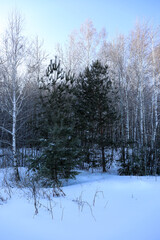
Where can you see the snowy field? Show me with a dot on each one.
(96, 206)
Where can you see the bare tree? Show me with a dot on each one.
(71, 55)
(90, 41)
(139, 45)
(81, 48)
(36, 67)
(36, 61)
(13, 80)
(155, 74)
(117, 58)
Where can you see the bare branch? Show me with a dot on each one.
(6, 130)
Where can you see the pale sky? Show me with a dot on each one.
(54, 20)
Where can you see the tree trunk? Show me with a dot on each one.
(127, 115)
(154, 107)
(103, 160)
(14, 150)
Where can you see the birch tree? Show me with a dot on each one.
(155, 75)
(81, 48)
(118, 59)
(139, 44)
(13, 85)
(71, 54)
(90, 41)
(36, 61)
(36, 65)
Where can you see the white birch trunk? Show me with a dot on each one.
(155, 98)
(14, 150)
(141, 114)
(135, 125)
(155, 105)
(127, 116)
(14, 53)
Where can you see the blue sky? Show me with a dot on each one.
(53, 20)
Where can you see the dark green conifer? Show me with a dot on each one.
(59, 144)
(95, 110)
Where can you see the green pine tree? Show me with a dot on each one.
(60, 148)
(95, 110)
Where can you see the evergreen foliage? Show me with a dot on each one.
(94, 109)
(60, 150)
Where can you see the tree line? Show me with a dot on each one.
(96, 97)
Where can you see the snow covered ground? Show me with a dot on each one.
(96, 206)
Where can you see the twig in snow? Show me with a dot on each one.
(95, 195)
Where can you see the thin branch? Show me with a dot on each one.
(6, 130)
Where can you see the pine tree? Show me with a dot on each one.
(94, 108)
(59, 144)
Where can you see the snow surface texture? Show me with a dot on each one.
(96, 206)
